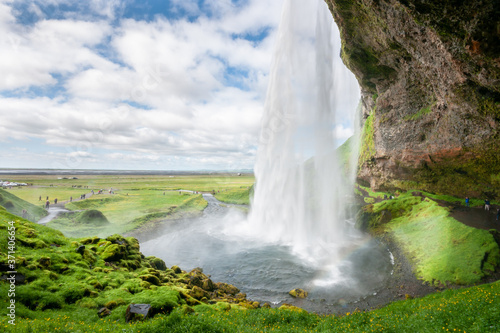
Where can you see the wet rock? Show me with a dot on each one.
(207, 285)
(198, 293)
(80, 249)
(176, 269)
(103, 312)
(137, 309)
(250, 304)
(298, 293)
(227, 288)
(241, 297)
(157, 263)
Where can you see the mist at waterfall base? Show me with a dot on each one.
(300, 230)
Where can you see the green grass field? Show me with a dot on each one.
(63, 188)
(136, 200)
(63, 289)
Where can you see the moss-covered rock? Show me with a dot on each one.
(157, 263)
(227, 288)
(298, 293)
(113, 252)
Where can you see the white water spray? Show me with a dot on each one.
(299, 209)
(300, 195)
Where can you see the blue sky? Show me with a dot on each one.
(124, 84)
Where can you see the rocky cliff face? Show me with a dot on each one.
(430, 78)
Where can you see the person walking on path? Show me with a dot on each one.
(487, 204)
(498, 214)
(47, 204)
(55, 201)
(467, 202)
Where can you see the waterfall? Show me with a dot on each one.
(301, 192)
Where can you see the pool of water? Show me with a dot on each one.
(266, 272)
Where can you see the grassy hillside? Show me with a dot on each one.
(15, 205)
(64, 288)
(441, 249)
(238, 196)
(75, 277)
(126, 212)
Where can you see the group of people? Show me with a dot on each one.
(487, 206)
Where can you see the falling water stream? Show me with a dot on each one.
(300, 231)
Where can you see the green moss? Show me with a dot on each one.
(422, 112)
(367, 150)
(442, 249)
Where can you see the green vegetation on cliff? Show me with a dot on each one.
(367, 140)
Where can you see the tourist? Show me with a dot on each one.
(55, 201)
(498, 213)
(487, 204)
(47, 204)
(40, 198)
(467, 202)
(70, 199)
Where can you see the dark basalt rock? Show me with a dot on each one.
(80, 249)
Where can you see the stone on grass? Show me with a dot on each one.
(139, 309)
(103, 312)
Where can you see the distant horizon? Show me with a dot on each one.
(48, 171)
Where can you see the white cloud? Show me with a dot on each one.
(165, 91)
(50, 47)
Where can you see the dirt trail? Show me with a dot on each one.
(56, 209)
(476, 217)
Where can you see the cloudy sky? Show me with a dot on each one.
(129, 84)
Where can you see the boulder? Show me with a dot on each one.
(80, 249)
(198, 293)
(227, 288)
(157, 263)
(113, 252)
(176, 269)
(298, 293)
(103, 312)
(137, 309)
